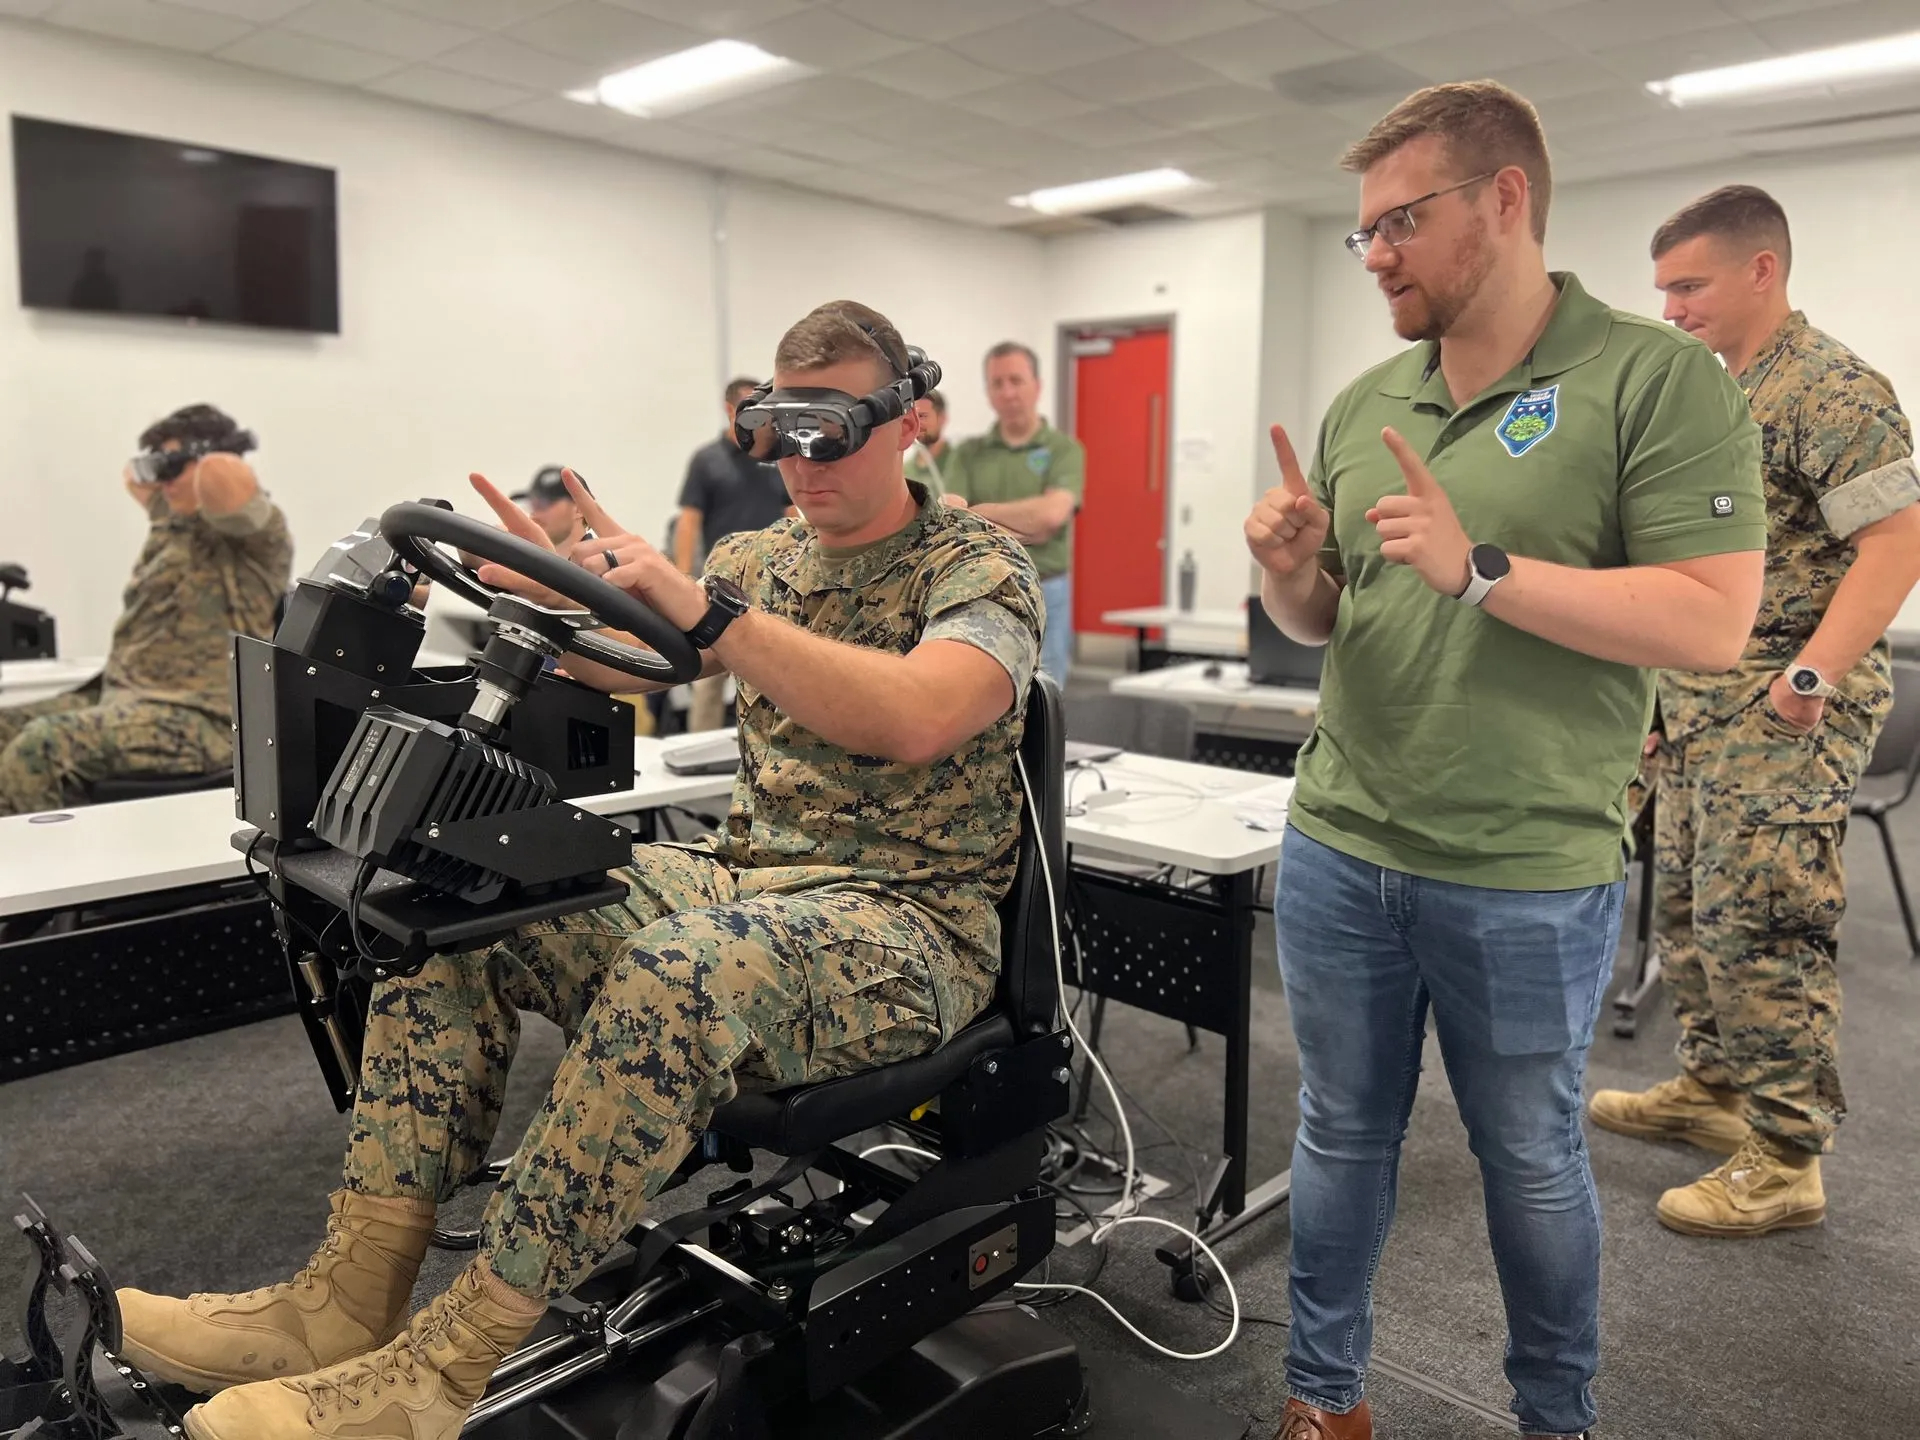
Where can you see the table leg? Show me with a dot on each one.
(1238, 898)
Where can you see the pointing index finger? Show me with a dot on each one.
(604, 525)
(1290, 473)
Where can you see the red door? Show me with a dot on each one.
(1120, 414)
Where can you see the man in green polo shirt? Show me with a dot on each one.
(1027, 477)
(1503, 530)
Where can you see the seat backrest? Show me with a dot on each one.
(1897, 751)
(1029, 979)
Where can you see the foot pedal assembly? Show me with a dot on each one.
(54, 1393)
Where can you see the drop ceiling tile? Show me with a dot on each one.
(1295, 128)
(926, 168)
(1385, 24)
(834, 99)
(260, 12)
(378, 28)
(937, 21)
(1839, 25)
(26, 9)
(768, 164)
(1222, 103)
(825, 40)
(1043, 43)
(997, 144)
(1256, 53)
(1651, 137)
(481, 14)
(1200, 204)
(669, 141)
(1026, 102)
(1137, 75)
(934, 73)
(834, 144)
(1600, 23)
(1625, 162)
(606, 36)
(1101, 128)
(1646, 60)
(1162, 22)
(151, 23)
(1469, 54)
(560, 116)
(308, 58)
(1775, 9)
(1546, 80)
(934, 123)
(1623, 104)
(721, 17)
(494, 57)
(428, 85)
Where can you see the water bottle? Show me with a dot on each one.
(1189, 578)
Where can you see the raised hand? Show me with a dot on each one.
(1419, 528)
(1287, 526)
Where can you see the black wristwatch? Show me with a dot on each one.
(726, 603)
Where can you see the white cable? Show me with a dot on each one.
(909, 1149)
(1127, 1197)
(1233, 1333)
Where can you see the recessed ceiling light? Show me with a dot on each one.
(1866, 61)
(1099, 194)
(689, 79)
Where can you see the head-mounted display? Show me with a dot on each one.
(826, 425)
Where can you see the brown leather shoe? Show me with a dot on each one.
(1301, 1421)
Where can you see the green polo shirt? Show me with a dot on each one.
(1449, 744)
(986, 471)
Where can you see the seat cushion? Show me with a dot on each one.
(810, 1117)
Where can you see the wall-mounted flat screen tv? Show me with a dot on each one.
(132, 225)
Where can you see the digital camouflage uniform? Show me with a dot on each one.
(163, 705)
(1750, 813)
(842, 918)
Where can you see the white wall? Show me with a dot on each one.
(952, 290)
(507, 299)
(1207, 275)
(1845, 211)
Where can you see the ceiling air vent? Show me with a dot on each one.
(1338, 82)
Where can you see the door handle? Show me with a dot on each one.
(1156, 451)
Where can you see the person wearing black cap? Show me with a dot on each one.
(552, 509)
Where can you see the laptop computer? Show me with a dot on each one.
(1273, 659)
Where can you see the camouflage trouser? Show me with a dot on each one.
(51, 749)
(694, 988)
(1749, 820)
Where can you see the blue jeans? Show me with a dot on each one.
(1514, 980)
(1056, 641)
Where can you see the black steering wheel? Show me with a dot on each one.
(413, 530)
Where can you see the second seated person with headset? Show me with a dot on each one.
(216, 560)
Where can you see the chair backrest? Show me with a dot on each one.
(1029, 980)
(1897, 751)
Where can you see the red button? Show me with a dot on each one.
(979, 1264)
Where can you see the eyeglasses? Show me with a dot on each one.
(1396, 225)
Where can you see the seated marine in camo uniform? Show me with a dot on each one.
(842, 918)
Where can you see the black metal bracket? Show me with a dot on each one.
(72, 1406)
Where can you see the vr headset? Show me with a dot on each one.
(157, 467)
(827, 425)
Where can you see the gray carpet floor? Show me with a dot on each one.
(205, 1165)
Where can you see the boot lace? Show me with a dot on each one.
(305, 1277)
(398, 1363)
(1750, 1160)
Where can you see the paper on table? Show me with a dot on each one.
(1266, 807)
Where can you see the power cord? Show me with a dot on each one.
(1127, 1196)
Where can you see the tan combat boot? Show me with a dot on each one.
(350, 1298)
(421, 1386)
(1757, 1192)
(1677, 1109)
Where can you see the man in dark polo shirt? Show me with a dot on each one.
(725, 493)
(1504, 530)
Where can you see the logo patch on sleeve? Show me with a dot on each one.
(1529, 420)
(1723, 505)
